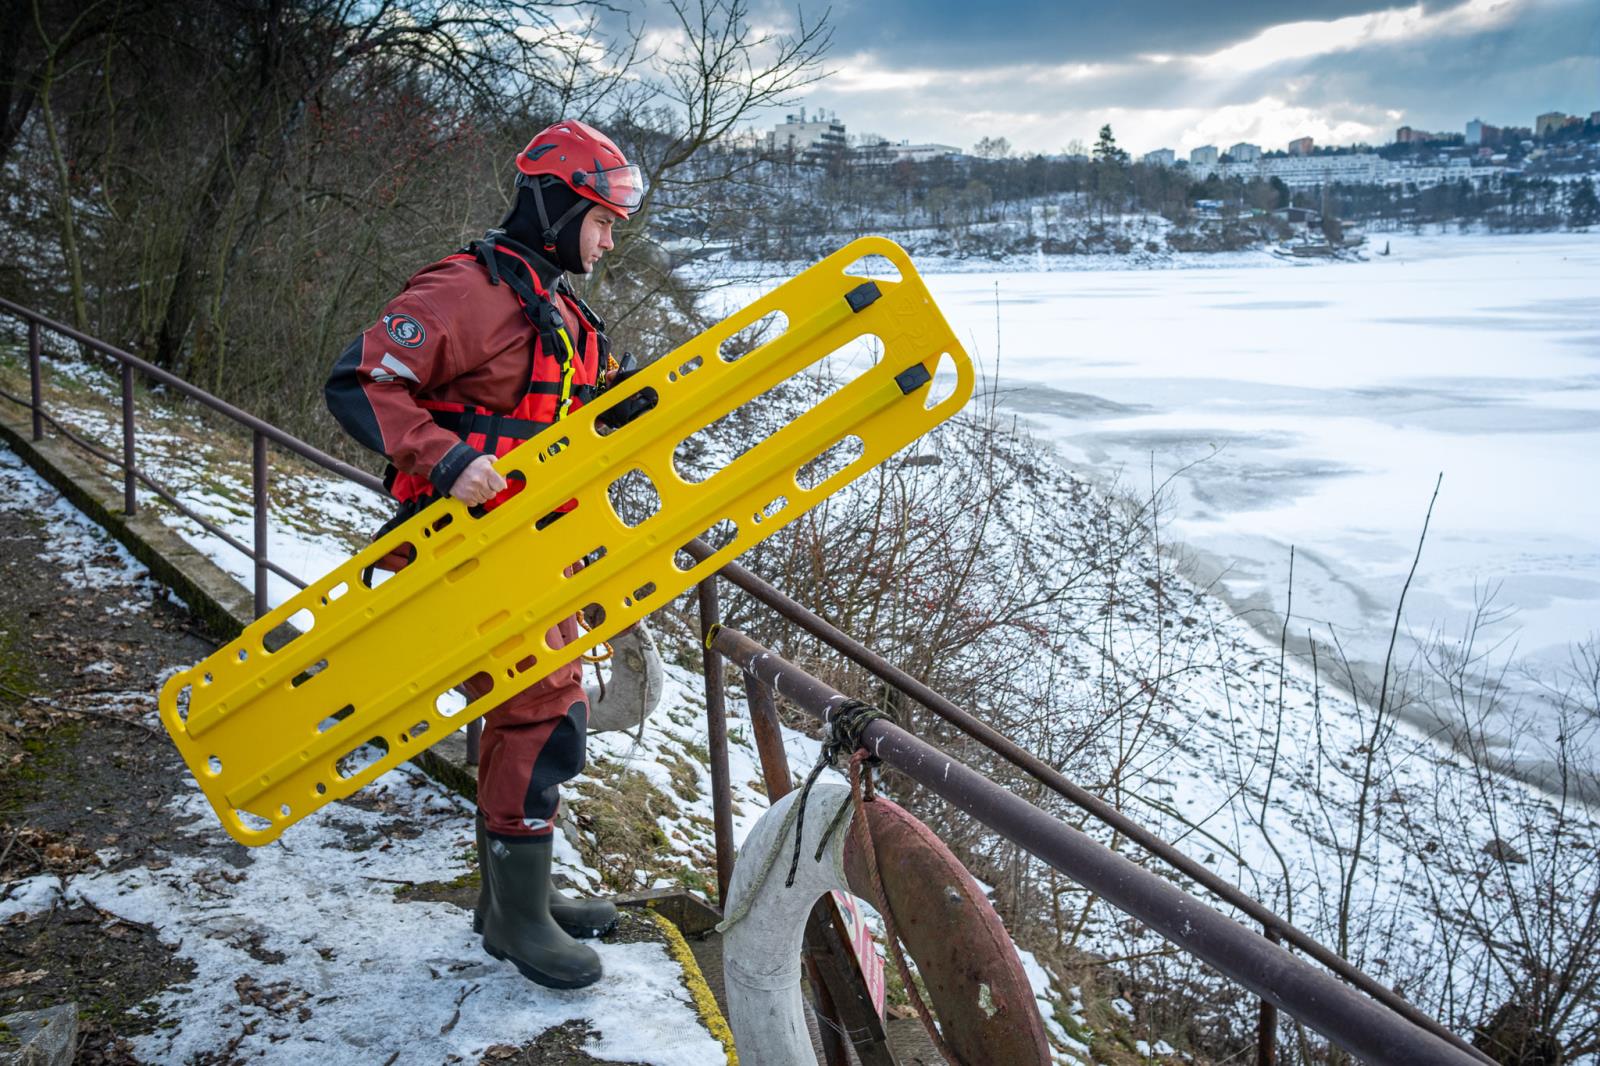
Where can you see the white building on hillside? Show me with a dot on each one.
(1353, 168)
(821, 135)
(1245, 153)
(922, 153)
(1161, 157)
(1305, 171)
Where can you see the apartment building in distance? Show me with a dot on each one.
(819, 136)
(1408, 135)
(1554, 122)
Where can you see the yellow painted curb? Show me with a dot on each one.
(704, 1001)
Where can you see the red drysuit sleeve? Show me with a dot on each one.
(376, 382)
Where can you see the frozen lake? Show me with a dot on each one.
(1315, 405)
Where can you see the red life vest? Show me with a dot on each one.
(564, 373)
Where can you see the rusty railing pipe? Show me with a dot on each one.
(160, 490)
(194, 392)
(1055, 781)
(34, 384)
(1267, 1023)
(258, 500)
(769, 738)
(130, 503)
(717, 739)
(1319, 1000)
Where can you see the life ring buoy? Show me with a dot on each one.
(634, 690)
(975, 982)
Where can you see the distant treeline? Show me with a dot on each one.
(1052, 203)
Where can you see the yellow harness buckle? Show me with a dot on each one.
(370, 677)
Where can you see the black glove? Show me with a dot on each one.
(635, 405)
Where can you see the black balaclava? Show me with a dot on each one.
(522, 222)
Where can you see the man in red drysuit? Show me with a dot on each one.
(480, 352)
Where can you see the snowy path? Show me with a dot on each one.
(303, 950)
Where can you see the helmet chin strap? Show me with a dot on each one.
(551, 230)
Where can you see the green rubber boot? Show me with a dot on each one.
(517, 925)
(579, 916)
(582, 917)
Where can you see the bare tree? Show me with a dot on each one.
(715, 70)
(282, 56)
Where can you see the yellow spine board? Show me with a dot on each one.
(273, 735)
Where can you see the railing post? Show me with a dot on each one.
(33, 378)
(717, 740)
(769, 738)
(129, 503)
(1267, 1026)
(259, 504)
(474, 740)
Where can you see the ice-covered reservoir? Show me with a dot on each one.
(1314, 405)
(1318, 404)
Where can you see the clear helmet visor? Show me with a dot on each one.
(621, 187)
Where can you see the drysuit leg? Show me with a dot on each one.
(531, 744)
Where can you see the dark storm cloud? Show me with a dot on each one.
(964, 33)
(1547, 61)
(1342, 71)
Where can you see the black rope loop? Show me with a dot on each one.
(845, 725)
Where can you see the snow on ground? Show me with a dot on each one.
(29, 896)
(1050, 1005)
(301, 949)
(77, 546)
(346, 969)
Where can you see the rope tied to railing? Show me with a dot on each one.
(844, 724)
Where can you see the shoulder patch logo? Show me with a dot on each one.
(405, 330)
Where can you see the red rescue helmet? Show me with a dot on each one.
(587, 161)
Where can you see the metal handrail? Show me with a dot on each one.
(261, 432)
(1367, 1028)
(1272, 925)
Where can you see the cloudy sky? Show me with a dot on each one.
(1180, 73)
